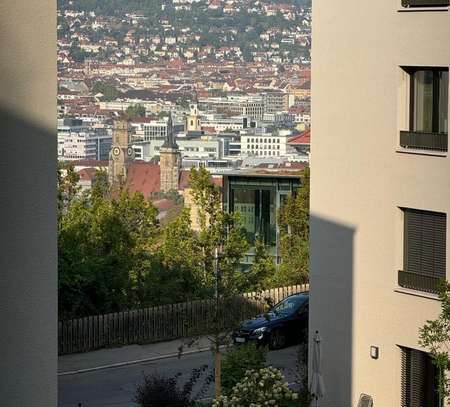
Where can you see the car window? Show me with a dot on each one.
(289, 305)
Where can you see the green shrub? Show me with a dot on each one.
(161, 391)
(238, 361)
(264, 387)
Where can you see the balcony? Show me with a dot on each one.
(424, 141)
(425, 3)
(418, 282)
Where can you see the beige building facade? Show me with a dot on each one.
(121, 154)
(28, 218)
(192, 119)
(380, 194)
(170, 161)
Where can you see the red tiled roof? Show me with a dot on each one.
(303, 138)
(184, 179)
(209, 129)
(90, 163)
(142, 120)
(144, 178)
(87, 174)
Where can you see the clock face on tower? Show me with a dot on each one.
(116, 151)
(130, 151)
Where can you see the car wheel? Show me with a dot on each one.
(277, 339)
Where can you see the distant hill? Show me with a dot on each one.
(115, 7)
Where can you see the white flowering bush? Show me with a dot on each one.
(259, 388)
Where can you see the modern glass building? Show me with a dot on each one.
(257, 197)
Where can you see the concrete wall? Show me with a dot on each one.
(28, 311)
(358, 182)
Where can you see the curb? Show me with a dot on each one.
(133, 362)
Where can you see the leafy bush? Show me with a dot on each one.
(264, 387)
(238, 361)
(304, 395)
(161, 391)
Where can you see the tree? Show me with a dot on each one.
(162, 391)
(108, 91)
(222, 243)
(134, 111)
(238, 361)
(262, 271)
(435, 336)
(102, 244)
(68, 187)
(293, 220)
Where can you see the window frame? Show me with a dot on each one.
(418, 386)
(411, 71)
(413, 276)
(419, 142)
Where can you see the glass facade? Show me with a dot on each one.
(257, 199)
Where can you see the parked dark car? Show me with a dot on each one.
(285, 323)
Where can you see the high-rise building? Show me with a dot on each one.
(170, 161)
(380, 196)
(80, 141)
(121, 153)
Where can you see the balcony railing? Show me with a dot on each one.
(425, 3)
(424, 141)
(418, 282)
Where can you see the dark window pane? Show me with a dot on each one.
(423, 101)
(443, 102)
(244, 203)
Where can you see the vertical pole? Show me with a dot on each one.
(217, 355)
(218, 366)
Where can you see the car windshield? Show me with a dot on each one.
(289, 305)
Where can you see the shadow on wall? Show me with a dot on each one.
(27, 263)
(331, 306)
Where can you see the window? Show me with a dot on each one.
(424, 250)
(418, 380)
(425, 3)
(428, 109)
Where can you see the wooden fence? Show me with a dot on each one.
(161, 323)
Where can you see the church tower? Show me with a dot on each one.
(121, 153)
(193, 119)
(170, 161)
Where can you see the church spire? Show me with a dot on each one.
(170, 142)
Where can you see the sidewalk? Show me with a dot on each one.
(125, 355)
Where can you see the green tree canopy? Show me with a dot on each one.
(108, 91)
(435, 336)
(293, 219)
(135, 111)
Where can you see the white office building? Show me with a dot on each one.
(258, 143)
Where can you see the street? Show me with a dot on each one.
(115, 387)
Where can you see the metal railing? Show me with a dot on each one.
(418, 282)
(424, 141)
(163, 323)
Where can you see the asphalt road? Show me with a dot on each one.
(115, 387)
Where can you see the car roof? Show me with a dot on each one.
(301, 294)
